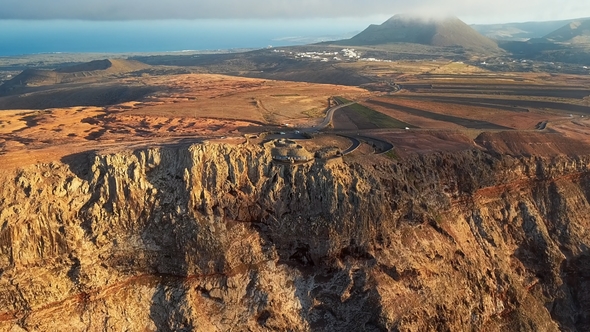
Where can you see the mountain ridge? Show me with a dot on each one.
(576, 32)
(521, 31)
(447, 32)
(77, 73)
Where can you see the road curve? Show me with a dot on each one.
(355, 144)
(328, 119)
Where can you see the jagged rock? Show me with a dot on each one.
(218, 237)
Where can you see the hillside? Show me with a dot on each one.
(576, 32)
(79, 73)
(520, 31)
(449, 32)
(568, 44)
(111, 66)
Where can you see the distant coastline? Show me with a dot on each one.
(19, 37)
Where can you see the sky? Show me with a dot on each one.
(19, 37)
(471, 11)
(127, 26)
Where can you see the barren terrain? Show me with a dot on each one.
(450, 198)
(424, 180)
(193, 106)
(433, 99)
(206, 106)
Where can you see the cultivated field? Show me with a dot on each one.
(360, 117)
(451, 111)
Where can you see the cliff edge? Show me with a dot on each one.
(214, 236)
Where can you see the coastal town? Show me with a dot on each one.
(346, 54)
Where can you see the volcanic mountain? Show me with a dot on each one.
(110, 66)
(577, 32)
(80, 73)
(446, 32)
(95, 83)
(521, 31)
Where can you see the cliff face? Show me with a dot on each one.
(218, 237)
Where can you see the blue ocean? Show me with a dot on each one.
(19, 37)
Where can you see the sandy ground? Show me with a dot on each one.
(192, 106)
(238, 98)
(195, 107)
(515, 120)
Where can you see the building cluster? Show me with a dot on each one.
(350, 53)
(374, 60)
(321, 56)
(326, 56)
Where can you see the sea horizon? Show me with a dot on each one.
(25, 37)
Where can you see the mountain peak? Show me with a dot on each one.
(446, 31)
(576, 32)
(408, 17)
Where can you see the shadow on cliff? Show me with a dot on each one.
(342, 298)
(171, 234)
(575, 273)
(569, 297)
(336, 293)
(80, 164)
(559, 265)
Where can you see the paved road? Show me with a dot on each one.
(352, 136)
(379, 145)
(330, 114)
(355, 144)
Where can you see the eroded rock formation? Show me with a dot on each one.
(218, 237)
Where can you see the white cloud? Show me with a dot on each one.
(469, 10)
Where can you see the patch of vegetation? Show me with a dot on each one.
(361, 114)
(341, 100)
(467, 123)
(313, 113)
(391, 154)
(364, 117)
(270, 117)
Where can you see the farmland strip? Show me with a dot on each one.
(467, 123)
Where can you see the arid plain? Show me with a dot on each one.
(443, 105)
(416, 177)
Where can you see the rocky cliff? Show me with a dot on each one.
(217, 237)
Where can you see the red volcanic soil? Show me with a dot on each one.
(530, 143)
(452, 114)
(427, 141)
(514, 143)
(186, 107)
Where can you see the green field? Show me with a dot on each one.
(363, 117)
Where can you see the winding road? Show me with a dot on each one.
(355, 144)
(352, 136)
(330, 114)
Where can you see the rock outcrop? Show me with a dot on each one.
(218, 237)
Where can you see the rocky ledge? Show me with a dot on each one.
(220, 237)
